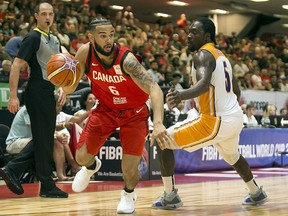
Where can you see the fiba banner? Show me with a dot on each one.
(260, 147)
(260, 98)
(111, 155)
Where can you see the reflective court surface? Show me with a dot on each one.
(209, 193)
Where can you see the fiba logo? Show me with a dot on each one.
(110, 153)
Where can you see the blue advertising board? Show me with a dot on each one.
(259, 146)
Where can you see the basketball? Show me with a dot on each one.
(63, 69)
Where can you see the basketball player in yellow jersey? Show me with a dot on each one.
(220, 118)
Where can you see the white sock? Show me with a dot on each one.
(252, 186)
(169, 183)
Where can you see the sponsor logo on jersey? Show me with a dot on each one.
(117, 69)
(119, 100)
(107, 77)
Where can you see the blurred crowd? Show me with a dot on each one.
(258, 63)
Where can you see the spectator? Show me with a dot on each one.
(182, 21)
(102, 9)
(167, 82)
(2, 39)
(88, 100)
(13, 44)
(73, 32)
(7, 31)
(123, 42)
(32, 23)
(3, 7)
(182, 114)
(62, 152)
(63, 37)
(176, 81)
(83, 16)
(21, 23)
(240, 68)
(244, 108)
(284, 56)
(5, 71)
(127, 13)
(274, 83)
(283, 112)
(249, 119)
(174, 44)
(153, 71)
(20, 133)
(77, 43)
(283, 84)
(256, 80)
(267, 120)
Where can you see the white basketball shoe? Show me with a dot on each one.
(127, 203)
(82, 178)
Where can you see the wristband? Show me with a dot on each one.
(64, 125)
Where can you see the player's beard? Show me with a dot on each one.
(191, 48)
(102, 51)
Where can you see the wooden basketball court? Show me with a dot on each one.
(209, 193)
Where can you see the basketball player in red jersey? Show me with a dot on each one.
(123, 87)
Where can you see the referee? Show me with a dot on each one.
(36, 49)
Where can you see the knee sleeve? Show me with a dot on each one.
(166, 161)
(243, 169)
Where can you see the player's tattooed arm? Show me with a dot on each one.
(138, 73)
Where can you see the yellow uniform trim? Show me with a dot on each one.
(42, 32)
(211, 48)
(198, 131)
(206, 127)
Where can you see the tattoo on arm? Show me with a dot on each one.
(135, 69)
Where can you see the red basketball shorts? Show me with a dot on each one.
(102, 121)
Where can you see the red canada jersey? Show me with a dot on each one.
(110, 84)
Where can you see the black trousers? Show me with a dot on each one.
(23, 161)
(41, 107)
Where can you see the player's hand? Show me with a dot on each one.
(69, 125)
(62, 96)
(161, 136)
(173, 98)
(62, 138)
(13, 104)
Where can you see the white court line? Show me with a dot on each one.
(267, 172)
(274, 168)
(215, 175)
(70, 182)
(231, 171)
(263, 172)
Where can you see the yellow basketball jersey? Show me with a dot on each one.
(220, 99)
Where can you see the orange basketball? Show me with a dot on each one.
(63, 69)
